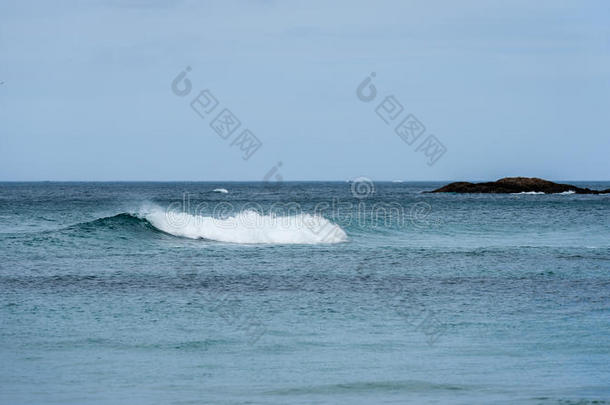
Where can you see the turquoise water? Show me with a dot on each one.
(171, 293)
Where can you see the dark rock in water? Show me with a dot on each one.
(515, 185)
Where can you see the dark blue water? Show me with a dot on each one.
(159, 293)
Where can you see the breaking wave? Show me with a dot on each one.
(248, 227)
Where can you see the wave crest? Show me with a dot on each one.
(249, 227)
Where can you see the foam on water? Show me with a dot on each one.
(569, 192)
(220, 190)
(248, 227)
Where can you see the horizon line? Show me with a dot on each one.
(283, 181)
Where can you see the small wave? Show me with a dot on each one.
(249, 227)
(371, 386)
(568, 192)
(220, 190)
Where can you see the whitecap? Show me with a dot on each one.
(248, 227)
(568, 192)
(530, 192)
(220, 190)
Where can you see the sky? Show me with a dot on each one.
(519, 88)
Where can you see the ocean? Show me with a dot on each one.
(302, 293)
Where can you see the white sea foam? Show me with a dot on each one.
(220, 190)
(540, 192)
(248, 227)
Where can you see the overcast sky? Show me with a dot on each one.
(508, 88)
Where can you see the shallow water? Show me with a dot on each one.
(303, 293)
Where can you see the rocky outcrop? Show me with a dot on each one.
(515, 185)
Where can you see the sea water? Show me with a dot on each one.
(300, 293)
